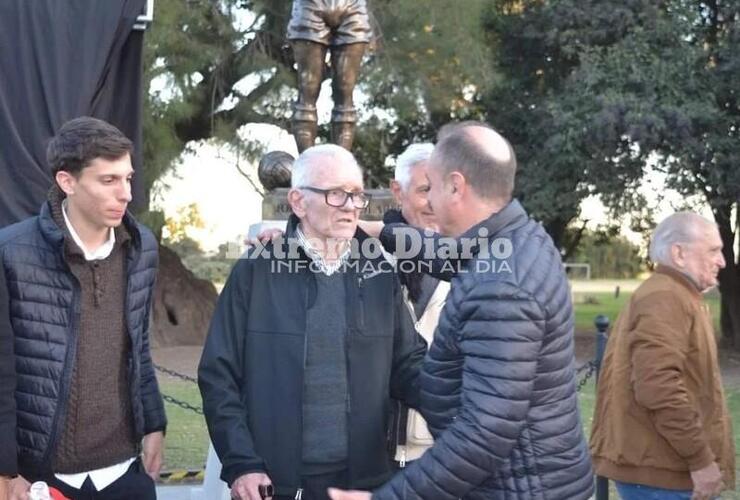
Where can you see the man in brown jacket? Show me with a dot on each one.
(661, 426)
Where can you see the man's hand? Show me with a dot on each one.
(153, 453)
(4, 487)
(707, 482)
(18, 489)
(336, 494)
(371, 227)
(265, 236)
(246, 487)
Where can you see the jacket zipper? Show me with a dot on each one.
(299, 491)
(131, 382)
(361, 308)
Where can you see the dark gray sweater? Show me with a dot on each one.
(325, 383)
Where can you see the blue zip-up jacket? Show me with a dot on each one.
(40, 299)
(498, 388)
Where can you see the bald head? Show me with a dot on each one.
(481, 155)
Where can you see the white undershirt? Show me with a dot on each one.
(100, 253)
(101, 478)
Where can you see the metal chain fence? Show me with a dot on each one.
(590, 370)
(186, 444)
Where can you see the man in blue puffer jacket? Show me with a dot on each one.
(76, 287)
(498, 384)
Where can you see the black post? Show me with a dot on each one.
(602, 325)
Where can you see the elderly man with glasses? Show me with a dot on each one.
(309, 341)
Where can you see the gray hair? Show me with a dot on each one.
(681, 227)
(301, 174)
(459, 149)
(412, 156)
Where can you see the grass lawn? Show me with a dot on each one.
(186, 444)
(187, 437)
(588, 305)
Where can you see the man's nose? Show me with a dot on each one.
(349, 204)
(124, 192)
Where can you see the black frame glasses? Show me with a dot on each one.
(359, 200)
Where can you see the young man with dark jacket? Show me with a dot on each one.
(77, 286)
(308, 343)
(498, 388)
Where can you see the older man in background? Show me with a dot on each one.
(424, 295)
(661, 427)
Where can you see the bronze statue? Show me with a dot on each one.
(317, 26)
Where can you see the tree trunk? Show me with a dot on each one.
(729, 279)
(183, 304)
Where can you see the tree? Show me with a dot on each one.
(609, 255)
(221, 65)
(540, 46)
(589, 92)
(664, 93)
(213, 66)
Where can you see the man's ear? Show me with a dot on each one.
(66, 182)
(678, 255)
(297, 202)
(457, 183)
(396, 190)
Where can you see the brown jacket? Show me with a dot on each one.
(661, 409)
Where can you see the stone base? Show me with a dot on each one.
(275, 205)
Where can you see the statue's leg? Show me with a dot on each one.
(346, 61)
(310, 59)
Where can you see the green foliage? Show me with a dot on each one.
(540, 46)
(431, 57)
(176, 228)
(594, 91)
(610, 256)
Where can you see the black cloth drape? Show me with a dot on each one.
(60, 60)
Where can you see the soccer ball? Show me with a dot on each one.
(275, 169)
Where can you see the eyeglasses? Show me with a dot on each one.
(338, 197)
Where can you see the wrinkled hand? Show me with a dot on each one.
(265, 236)
(371, 227)
(336, 494)
(153, 453)
(18, 489)
(707, 482)
(246, 487)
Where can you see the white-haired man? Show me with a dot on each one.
(424, 295)
(661, 427)
(307, 345)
